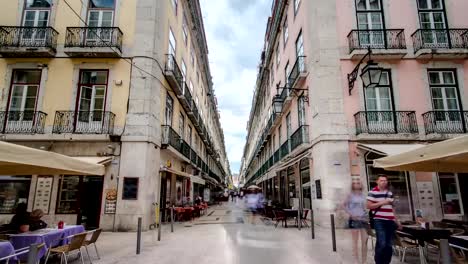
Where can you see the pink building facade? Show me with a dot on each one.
(422, 48)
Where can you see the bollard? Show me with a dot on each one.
(159, 227)
(312, 225)
(445, 251)
(32, 255)
(332, 220)
(138, 236)
(172, 219)
(299, 219)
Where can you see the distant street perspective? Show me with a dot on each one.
(233, 131)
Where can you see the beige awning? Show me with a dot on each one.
(446, 156)
(94, 159)
(20, 160)
(389, 149)
(176, 172)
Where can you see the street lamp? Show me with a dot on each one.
(371, 74)
(277, 104)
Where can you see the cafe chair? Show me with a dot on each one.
(404, 245)
(64, 251)
(305, 213)
(279, 216)
(92, 241)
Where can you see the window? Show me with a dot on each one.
(305, 183)
(24, 93)
(432, 16)
(169, 109)
(13, 191)
(189, 135)
(172, 43)
(379, 101)
(285, 30)
(100, 15)
(278, 58)
(296, 6)
(286, 74)
(181, 125)
(184, 70)
(67, 202)
(130, 189)
(301, 111)
(174, 5)
(370, 22)
(279, 135)
(274, 143)
(450, 194)
(184, 31)
(444, 93)
(288, 125)
(92, 96)
(36, 14)
(191, 87)
(192, 59)
(300, 51)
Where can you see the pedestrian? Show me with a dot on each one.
(380, 203)
(252, 204)
(355, 207)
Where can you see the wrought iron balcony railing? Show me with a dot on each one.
(376, 39)
(299, 137)
(22, 122)
(440, 39)
(94, 37)
(28, 37)
(84, 122)
(173, 68)
(285, 149)
(276, 156)
(386, 122)
(284, 94)
(298, 69)
(170, 138)
(445, 122)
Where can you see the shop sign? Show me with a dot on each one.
(43, 194)
(110, 205)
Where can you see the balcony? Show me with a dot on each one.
(170, 138)
(94, 42)
(298, 72)
(28, 41)
(284, 149)
(22, 122)
(186, 98)
(299, 137)
(84, 122)
(445, 122)
(385, 43)
(185, 150)
(386, 122)
(174, 75)
(441, 43)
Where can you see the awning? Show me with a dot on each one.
(293, 161)
(176, 172)
(389, 149)
(95, 160)
(198, 180)
(446, 156)
(20, 160)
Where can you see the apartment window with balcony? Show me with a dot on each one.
(92, 96)
(432, 19)
(279, 135)
(278, 58)
(296, 6)
(100, 15)
(379, 100)
(299, 45)
(370, 20)
(287, 71)
(288, 125)
(181, 125)
(189, 132)
(285, 31)
(184, 30)
(445, 94)
(169, 109)
(174, 5)
(172, 43)
(184, 70)
(301, 111)
(37, 13)
(23, 94)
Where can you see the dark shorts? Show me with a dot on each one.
(357, 224)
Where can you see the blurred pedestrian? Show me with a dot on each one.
(252, 204)
(20, 221)
(355, 207)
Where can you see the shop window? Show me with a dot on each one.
(13, 190)
(291, 186)
(130, 189)
(67, 202)
(305, 183)
(449, 194)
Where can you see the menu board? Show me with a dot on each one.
(43, 194)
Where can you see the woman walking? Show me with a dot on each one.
(355, 207)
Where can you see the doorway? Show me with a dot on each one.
(90, 202)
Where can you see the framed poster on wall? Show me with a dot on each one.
(43, 193)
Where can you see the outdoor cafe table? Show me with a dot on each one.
(7, 249)
(423, 236)
(51, 237)
(290, 213)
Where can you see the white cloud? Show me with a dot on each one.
(235, 30)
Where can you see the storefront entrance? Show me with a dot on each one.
(90, 201)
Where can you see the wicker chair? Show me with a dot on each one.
(74, 247)
(403, 245)
(92, 241)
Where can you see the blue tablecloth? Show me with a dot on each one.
(49, 236)
(7, 249)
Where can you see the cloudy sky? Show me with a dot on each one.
(235, 31)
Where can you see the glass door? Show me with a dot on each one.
(34, 33)
(370, 22)
(91, 104)
(379, 112)
(445, 101)
(432, 19)
(100, 21)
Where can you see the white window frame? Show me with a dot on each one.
(296, 6)
(172, 46)
(285, 31)
(455, 175)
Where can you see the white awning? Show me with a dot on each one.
(95, 159)
(176, 172)
(20, 160)
(389, 149)
(198, 180)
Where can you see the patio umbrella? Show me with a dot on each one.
(253, 187)
(20, 160)
(446, 156)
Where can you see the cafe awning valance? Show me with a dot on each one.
(446, 156)
(20, 160)
(389, 149)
